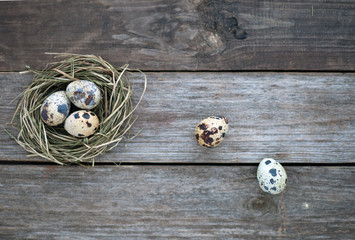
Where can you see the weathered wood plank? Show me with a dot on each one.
(180, 202)
(182, 34)
(290, 117)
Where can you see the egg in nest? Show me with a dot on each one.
(84, 94)
(55, 108)
(82, 123)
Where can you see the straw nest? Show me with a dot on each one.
(114, 111)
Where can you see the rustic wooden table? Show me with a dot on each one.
(281, 71)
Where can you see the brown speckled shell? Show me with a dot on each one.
(211, 131)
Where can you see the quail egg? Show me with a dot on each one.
(82, 123)
(55, 108)
(84, 94)
(211, 131)
(272, 177)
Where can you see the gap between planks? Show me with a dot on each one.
(117, 164)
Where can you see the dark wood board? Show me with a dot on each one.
(179, 202)
(296, 118)
(182, 34)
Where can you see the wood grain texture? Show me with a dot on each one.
(306, 118)
(180, 202)
(182, 34)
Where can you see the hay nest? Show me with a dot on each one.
(114, 111)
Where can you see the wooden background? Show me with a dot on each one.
(283, 72)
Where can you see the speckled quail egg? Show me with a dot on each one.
(211, 131)
(272, 177)
(84, 94)
(55, 108)
(82, 123)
